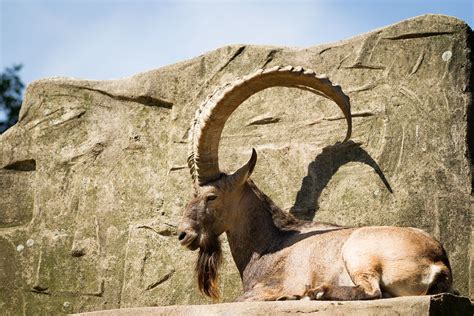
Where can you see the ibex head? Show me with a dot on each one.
(210, 212)
(207, 216)
(218, 196)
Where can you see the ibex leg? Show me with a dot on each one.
(366, 287)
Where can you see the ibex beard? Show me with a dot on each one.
(207, 266)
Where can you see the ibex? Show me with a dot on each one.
(277, 255)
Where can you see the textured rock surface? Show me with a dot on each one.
(93, 178)
(413, 305)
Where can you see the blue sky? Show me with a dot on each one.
(105, 39)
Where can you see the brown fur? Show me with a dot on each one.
(283, 220)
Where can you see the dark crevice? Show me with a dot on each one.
(22, 165)
(40, 290)
(236, 54)
(269, 57)
(145, 100)
(175, 168)
(363, 114)
(77, 253)
(325, 50)
(264, 121)
(168, 231)
(356, 114)
(362, 66)
(417, 35)
(160, 281)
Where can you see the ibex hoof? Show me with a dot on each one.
(319, 295)
(316, 293)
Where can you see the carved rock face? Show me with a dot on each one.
(94, 175)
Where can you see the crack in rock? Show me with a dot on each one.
(165, 278)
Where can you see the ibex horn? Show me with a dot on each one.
(211, 116)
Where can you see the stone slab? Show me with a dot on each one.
(414, 305)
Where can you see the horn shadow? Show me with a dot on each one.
(322, 169)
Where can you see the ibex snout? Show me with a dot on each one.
(188, 235)
(188, 239)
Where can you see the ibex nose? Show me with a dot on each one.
(181, 235)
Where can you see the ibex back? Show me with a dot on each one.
(277, 255)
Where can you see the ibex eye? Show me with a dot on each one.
(211, 197)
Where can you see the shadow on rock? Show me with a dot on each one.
(320, 172)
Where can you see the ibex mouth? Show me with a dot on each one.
(191, 242)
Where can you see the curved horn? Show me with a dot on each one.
(211, 116)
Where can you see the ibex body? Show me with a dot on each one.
(278, 256)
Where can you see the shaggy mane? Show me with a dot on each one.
(283, 220)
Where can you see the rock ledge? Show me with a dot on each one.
(443, 304)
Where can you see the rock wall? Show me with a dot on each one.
(93, 178)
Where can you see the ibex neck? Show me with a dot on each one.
(260, 226)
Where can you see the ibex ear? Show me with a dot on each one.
(243, 173)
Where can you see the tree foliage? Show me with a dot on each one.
(11, 88)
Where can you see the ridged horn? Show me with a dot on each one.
(211, 116)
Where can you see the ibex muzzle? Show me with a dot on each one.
(279, 256)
